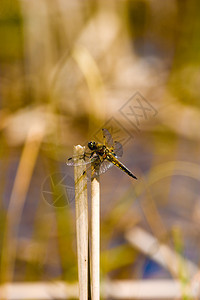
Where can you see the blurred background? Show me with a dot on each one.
(68, 69)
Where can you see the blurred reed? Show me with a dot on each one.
(17, 200)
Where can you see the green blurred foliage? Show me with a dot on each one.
(11, 32)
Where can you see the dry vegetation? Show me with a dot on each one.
(67, 68)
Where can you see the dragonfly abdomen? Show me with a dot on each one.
(118, 164)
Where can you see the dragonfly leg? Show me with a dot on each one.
(87, 154)
(91, 154)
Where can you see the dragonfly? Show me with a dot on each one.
(102, 156)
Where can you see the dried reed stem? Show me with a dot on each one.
(95, 238)
(81, 224)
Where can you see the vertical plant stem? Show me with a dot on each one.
(95, 238)
(81, 224)
(18, 197)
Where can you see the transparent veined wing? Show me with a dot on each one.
(118, 149)
(103, 167)
(81, 160)
(108, 137)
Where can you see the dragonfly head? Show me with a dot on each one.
(92, 145)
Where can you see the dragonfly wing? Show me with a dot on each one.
(108, 137)
(78, 160)
(118, 149)
(104, 166)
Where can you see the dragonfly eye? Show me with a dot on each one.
(92, 145)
